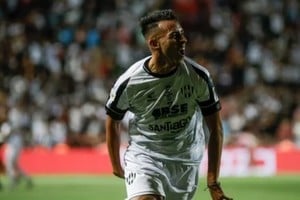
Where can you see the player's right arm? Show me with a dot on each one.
(116, 107)
(113, 145)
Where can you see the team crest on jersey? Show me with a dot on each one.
(169, 94)
(187, 91)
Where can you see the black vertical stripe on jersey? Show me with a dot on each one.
(113, 110)
(204, 75)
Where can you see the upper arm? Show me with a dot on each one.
(111, 123)
(213, 122)
(112, 129)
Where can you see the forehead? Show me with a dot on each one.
(169, 26)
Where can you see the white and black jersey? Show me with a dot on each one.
(167, 109)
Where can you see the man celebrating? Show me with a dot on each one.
(169, 96)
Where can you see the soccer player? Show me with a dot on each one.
(14, 130)
(2, 167)
(12, 152)
(169, 95)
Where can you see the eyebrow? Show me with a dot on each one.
(169, 31)
(180, 31)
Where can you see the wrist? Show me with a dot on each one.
(213, 184)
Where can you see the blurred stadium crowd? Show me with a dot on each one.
(59, 58)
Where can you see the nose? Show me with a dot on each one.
(183, 39)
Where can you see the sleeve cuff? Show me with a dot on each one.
(207, 110)
(117, 115)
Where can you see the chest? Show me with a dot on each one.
(163, 98)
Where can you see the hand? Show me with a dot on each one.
(119, 173)
(216, 192)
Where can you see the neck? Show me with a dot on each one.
(161, 67)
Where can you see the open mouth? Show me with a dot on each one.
(182, 51)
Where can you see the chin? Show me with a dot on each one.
(180, 57)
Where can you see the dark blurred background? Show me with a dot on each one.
(59, 59)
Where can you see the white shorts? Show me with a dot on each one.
(173, 180)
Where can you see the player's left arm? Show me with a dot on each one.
(213, 122)
(215, 145)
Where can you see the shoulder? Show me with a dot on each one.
(132, 71)
(197, 68)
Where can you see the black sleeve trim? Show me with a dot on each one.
(207, 110)
(117, 115)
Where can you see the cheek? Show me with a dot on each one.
(168, 48)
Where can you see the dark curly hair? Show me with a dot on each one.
(151, 20)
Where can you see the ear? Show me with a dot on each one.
(153, 43)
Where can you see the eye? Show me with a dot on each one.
(176, 35)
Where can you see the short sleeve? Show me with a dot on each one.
(117, 103)
(207, 97)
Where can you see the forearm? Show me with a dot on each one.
(113, 144)
(214, 148)
(214, 157)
